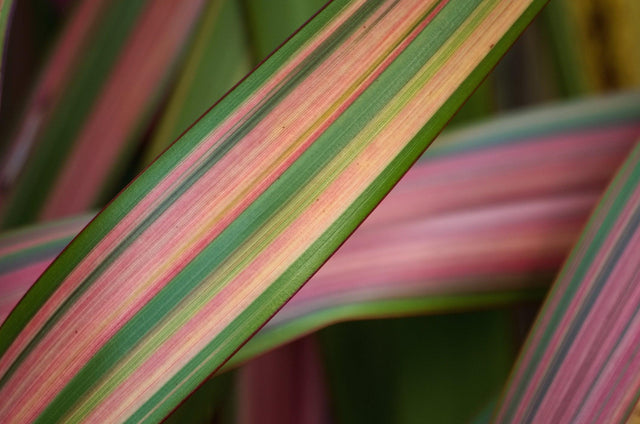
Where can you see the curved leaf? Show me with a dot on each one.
(581, 361)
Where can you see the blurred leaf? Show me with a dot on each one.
(218, 58)
(580, 362)
(105, 75)
(271, 22)
(298, 393)
(5, 12)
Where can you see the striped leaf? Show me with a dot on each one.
(91, 103)
(196, 254)
(270, 22)
(26, 254)
(581, 362)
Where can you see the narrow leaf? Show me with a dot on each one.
(514, 235)
(581, 361)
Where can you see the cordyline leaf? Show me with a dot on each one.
(581, 362)
(197, 253)
(92, 102)
(515, 235)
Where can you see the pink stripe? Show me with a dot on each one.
(577, 300)
(51, 84)
(13, 285)
(298, 393)
(153, 47)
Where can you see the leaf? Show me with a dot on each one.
(300, 395)
(105, 76)
(412, 370)
(25, 254)
(271, 22)
(580, 362)
(197, 253)
(218, 58)
(515, 235)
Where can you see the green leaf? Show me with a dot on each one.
(218, 58)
